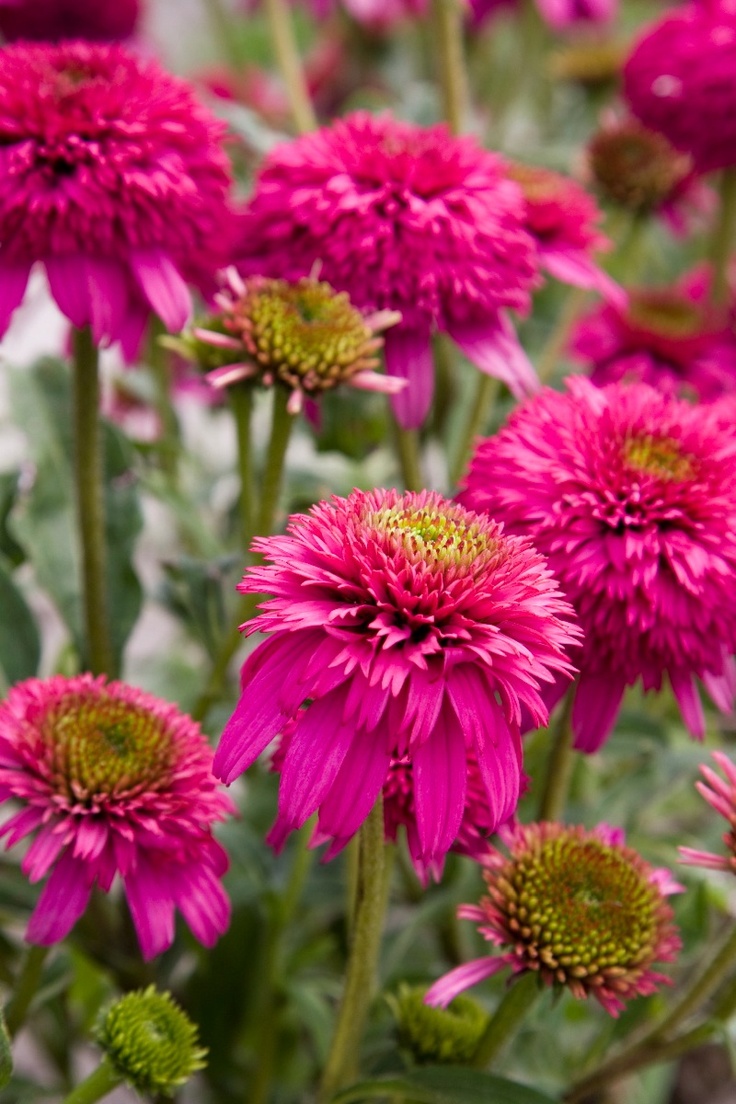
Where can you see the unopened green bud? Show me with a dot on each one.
(438, 1035)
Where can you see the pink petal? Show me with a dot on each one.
(574, 267)
(356, 787)
(163, 287)
(688, 699)
(107, 293)
(151, 904)
(408, 354)
(440, 777)
(13, 283)
(495, 350)
(62, 902)
(132, 328)
(444, 991)
(67, 277)
(203, 903)
(595, 709)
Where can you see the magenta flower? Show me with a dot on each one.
(414, 627)
(563, 220)
(111, 781)
(631, 496)
(679, 80)
(721, 795)
(579, 908)
(671, 338)
(436, 224)
(113, 177)
(561, 15)
(382, 16)
(52, 20)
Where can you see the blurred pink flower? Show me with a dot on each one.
(577, 907)
(437, 226)
(52, 20)
(631, 496)
(113, 781)
(415, 628)
(114, 178)
(721, 795)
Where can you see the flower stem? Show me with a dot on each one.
(222, 27)
(26, 987)
(168, 446)
(447, 18)
(290, 66)
(99, 1083)
(485, 397)
(90, 503)
(724, 234)
(407, 448)
(342, 1059)
(559, 765)
(281, 424)
(516, 1002)
(557, 341)
(241, 401)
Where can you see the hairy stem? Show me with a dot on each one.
(485, 397)
(515, 1003)
(448, 20)
(26, 987)
(241, 401)
(99, 1083)
(559, 765)
(290, 66)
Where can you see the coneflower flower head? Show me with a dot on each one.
(720, 793)
(302, 335)
(438, 228)
(437, 1035)
(631, 496)
(679, 80)
(53, 20)
(577, 907)
(150, 1042)
(114, 178)
(414, 627)
(563, 220)
(113, 781)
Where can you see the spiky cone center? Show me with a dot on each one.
(589, 63)
(304, 334)
(538, 185)
(665, 314)
(439, 1035)
(150, 1042)
(660, 457)
(582, 912)
(103, 747)
(635, 167)
(438, 536)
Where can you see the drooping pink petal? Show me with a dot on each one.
(495, 349)
(63, 900)
(356, 787)
(151, 904)
(461, 978)
(13, 283)
(408, 355)
(571, 267)
(440, 773)
(594, 711)
(162, 286)
(688, 699)
(67, 276)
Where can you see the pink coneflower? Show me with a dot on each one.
(562, 15)
(415, 628)
(721, 795)
(671, 338)
(402, 218)
(52, 20)
(679, 80)
(113, 781)
(631, 496)
(563, 220)
(579, 908)
(112, 176)
(303, 336)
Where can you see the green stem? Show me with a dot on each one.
(99, 1083)
(222, 26)
(290, 66)
(485, 397)
(342, 1060)
(724, 234)
(516, 1002)
(445, 387)
(241, 401)
(448, 20)
(90, 503)
(558, 339)
(26, 987)
(407, 448)
(559, 765)
(281, 425)
(168, 445)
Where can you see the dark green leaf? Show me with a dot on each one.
(20, 646)
(445, 1085)
(9, 546)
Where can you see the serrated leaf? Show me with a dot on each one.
(444, 1085)
(20, 644)
(45, 520)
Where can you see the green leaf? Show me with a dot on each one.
(9, 546)
(20, 645)
(444, 1085)
(45, 519)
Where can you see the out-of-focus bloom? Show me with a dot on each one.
(402, 218)
(52, 20)
(640, 170)
(631, 496)
(679, 80)
(415, 628)
(579, 908)
(384, 15)
(671, 338)
(113, 177)
(561, 15)
(563, 220)
(304, 336)
(113, 781)
(150, 1042)
(721, 795)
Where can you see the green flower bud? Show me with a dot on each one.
(438, 1035)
